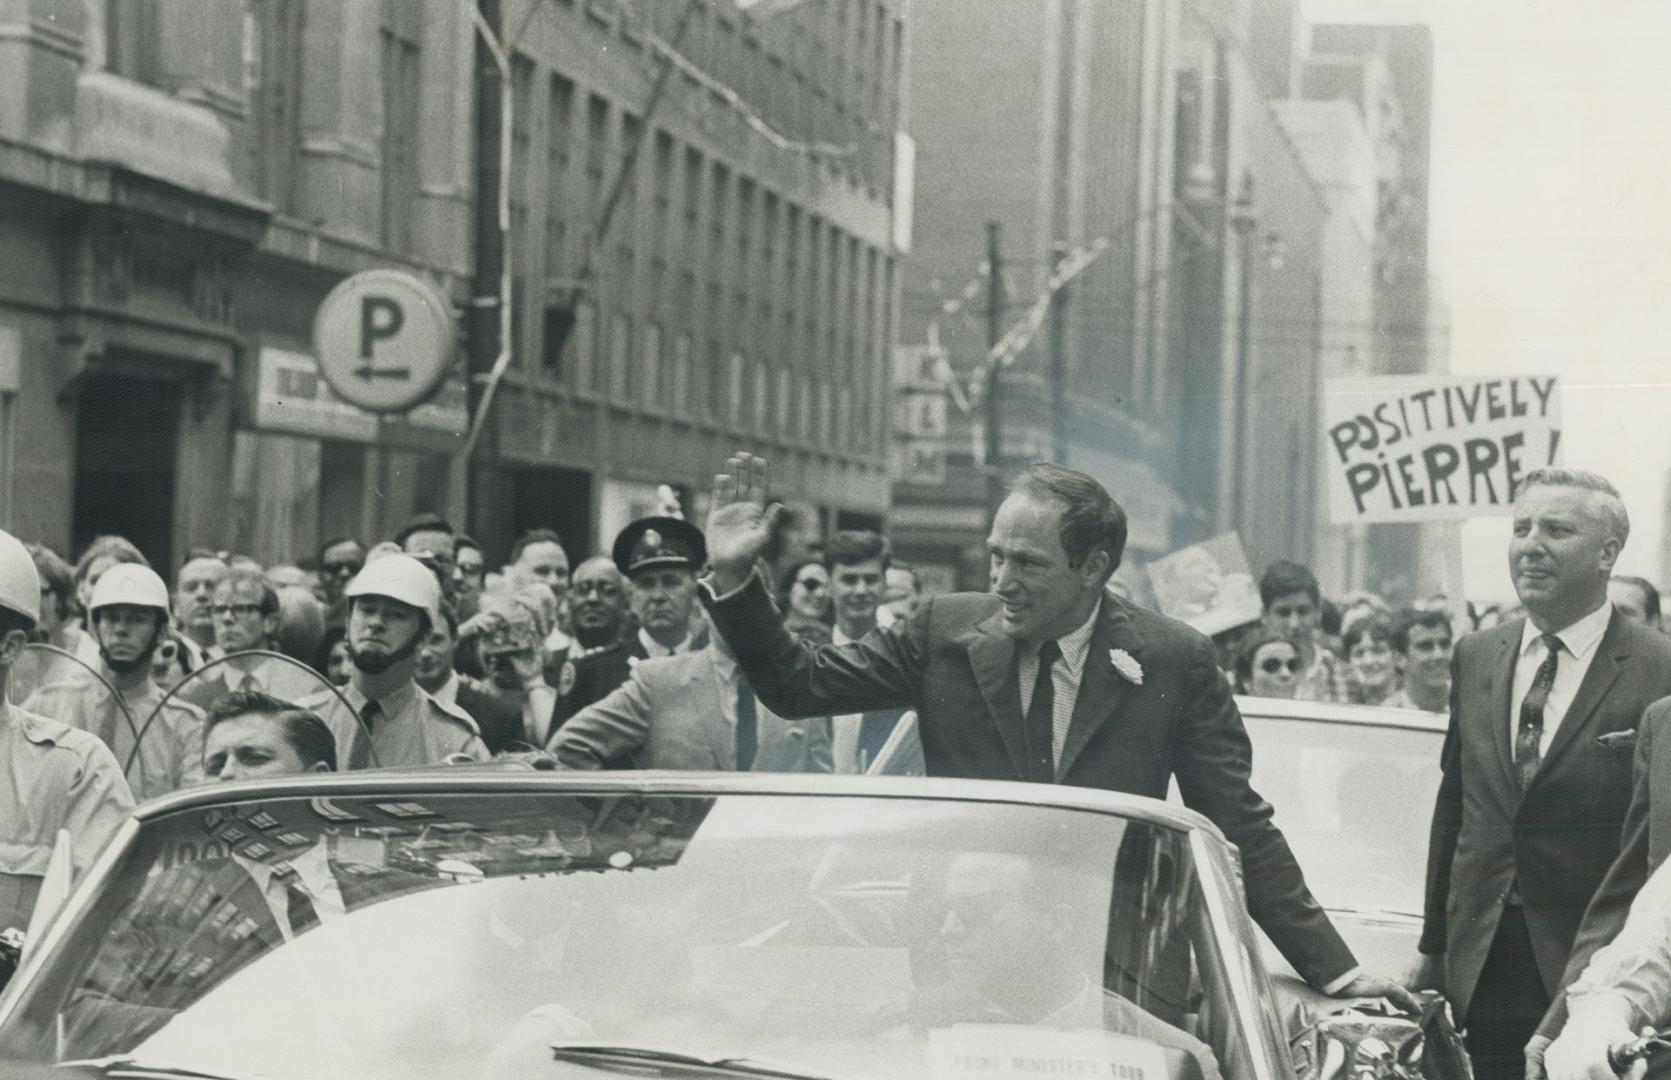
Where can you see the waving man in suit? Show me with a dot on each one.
(1046, 678)
(1537, 768)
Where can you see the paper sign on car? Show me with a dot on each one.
(994, 1051)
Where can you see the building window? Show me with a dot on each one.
(679, 392)
(736, 380)
(277, 100)
(582, 355)
(620, 358)
(785, 398)
(650, 366)
(761, 404)
(133, 40)
(597, 147)
(715, 375)
(402, 111)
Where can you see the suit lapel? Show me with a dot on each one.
(1502, 699)
(992, 656)
(1101, 688)
(1611, 653)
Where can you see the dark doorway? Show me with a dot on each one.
(559, 499)
(126, 450)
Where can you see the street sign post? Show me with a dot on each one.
(384, 340)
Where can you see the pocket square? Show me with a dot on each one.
(1617, 740)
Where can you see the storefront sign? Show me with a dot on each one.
(1434, 448)
(385, 340)
(292, 397)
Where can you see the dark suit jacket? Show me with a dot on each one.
(1646, 841)
(499, 723)
(953, 663)
(1559, 837)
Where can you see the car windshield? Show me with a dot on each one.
(1355, 802)
(465, 935)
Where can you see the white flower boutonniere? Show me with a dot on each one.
(1128, 667)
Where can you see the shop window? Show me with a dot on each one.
(620, 358)
(133, 40)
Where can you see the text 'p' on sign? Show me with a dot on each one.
(1435, 448)
(384, 339)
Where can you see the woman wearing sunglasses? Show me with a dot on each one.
(804, 598)
(1268, 664)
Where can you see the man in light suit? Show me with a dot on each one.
(1536, 769)
(1044, 679)
(690, 710)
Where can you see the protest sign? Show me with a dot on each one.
(1207, 585)
(1410, 448)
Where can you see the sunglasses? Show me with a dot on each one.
(342, 567)
(812, 584)
(1273, 665)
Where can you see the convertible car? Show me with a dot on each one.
(498, 922)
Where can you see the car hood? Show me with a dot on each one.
(1383, 941)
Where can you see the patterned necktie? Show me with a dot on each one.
(359, 752)
(1528, 738)
(299, 908)
(748, 734)
(1039, 728)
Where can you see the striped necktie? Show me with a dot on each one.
(1528, 738)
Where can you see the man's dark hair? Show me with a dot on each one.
(1284, 577)
(334, 541)
(849, 546)
(1650, 595)
(269, 595)
(1411, 618)
(426, 522)
(305, 732)
(535, 536)
(1374, 627)
(465, 540)
(1091, 519)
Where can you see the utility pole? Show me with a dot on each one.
(485, 310)
(994, 372)
(1058, 361)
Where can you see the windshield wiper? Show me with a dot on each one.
(636, 1058)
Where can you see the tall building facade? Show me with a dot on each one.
(182, 182)
(735, 288)
(1258, 234)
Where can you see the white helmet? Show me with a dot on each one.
(129, 583)
(20, 586)
(402, 578)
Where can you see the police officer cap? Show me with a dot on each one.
(659, 541)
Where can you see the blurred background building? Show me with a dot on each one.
(182, 182)
(1261, 186)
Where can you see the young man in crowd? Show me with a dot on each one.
(250, 735)
(1636, 598)
(1294, 607)
(1422, 640)
(389, 720)
(500, 724)
(858, 564)
(129, 615)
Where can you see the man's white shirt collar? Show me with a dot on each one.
(656, 649)
(1580, 639)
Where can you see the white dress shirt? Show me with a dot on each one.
(1579, 644)
(655, 649)
(845, 727)
(313, 872)
(1065, 678)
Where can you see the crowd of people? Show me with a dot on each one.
(715, 648)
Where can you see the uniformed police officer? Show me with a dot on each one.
(661, 557)
(392, 603)
(129, 616)
(52, 776)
